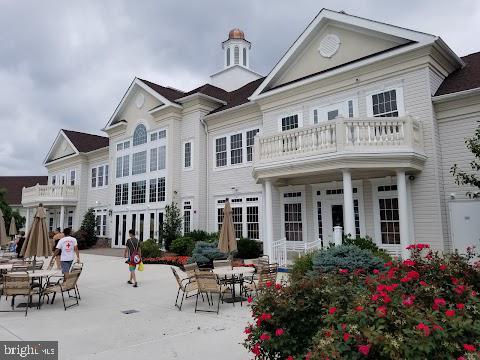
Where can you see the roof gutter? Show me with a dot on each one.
(456, 95)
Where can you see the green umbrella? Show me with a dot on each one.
(4, 240)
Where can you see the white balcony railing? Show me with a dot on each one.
(340, 135)
(49, 193)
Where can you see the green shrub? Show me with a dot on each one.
(204, 253)
(249, 249)
(82, 239)
(201, 235)
(302, 266)
(150, 249)
(182, 246)
(367, 243)
(425, 307)
(345, 257)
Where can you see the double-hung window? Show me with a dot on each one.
(158, 158)
(72, 177)
(123, 166)
(99, 176)
(187, 217)
(157, 190)
(139, 191)
(290, 122)
(234, 149)
(139, 163)
(187, 155)
(221, 152)
(121, 194)
(250, 141)
(386, 103)
(236, 154)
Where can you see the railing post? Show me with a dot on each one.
(340, 134)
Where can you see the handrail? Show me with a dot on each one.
(49, 192)
(342, 134)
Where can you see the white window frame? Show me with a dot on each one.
(96, 187)
(294, 200)
(244, 204)
(103, 213)
(192, 151)
(228, 136)
(191, 210)
(376, 195)
(323, 109)
(284, 115)
(74, 172)
(399, 95)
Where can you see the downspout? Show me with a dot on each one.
(205, 128)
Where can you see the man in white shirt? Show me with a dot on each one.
(68, 247)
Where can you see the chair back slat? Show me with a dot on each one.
(70, 280)
(17, 284)
(222, 264)
(190, 269)
(207, 282)
(177, 277)
(267, 273)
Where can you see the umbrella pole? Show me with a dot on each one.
(34, 262)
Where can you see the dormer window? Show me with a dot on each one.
(236, 55)
(140, 135)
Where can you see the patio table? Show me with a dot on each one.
(232, 275)
(40, 275)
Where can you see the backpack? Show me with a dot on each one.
(135, 257)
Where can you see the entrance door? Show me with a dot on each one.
(120, 230)
(337, 215)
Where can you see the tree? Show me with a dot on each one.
(172, 226)
(465, 178)
(86, 236)
(8, 212)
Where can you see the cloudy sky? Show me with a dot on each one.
(66, 64)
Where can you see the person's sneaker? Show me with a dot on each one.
(129, 282)
(135, 285)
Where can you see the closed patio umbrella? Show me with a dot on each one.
(226, 241)
(4, 240)
(13, 227)
(36, 243)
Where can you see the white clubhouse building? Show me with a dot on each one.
(357, 126)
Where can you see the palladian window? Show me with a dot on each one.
(140, 135)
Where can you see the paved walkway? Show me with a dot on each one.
(97, 329)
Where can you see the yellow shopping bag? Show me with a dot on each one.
(140, 266)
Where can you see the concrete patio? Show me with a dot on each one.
(97, 329)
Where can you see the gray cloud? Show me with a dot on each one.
(67, 64)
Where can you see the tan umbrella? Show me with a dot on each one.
(36, 243)
(4, 240)
(226, 241)
(13, 227)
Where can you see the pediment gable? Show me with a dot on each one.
(61, 148)
(334, 45)
(141, 98)
(334, 42)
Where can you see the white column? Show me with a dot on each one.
(349, 214)
(62, 217)
(27, 220)
(268, 240)
(403, 213)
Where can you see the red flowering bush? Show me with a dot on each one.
(424, 307)
(168, 260)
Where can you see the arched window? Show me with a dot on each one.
(244, 57)
(236, 55)
(228, 56)
(140, 135)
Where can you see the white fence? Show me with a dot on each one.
(282, 247)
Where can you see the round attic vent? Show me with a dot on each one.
(140, 100)
(329, 45)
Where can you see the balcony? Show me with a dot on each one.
(49, 195)
(342, 143)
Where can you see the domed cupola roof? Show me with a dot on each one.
(236, 34)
